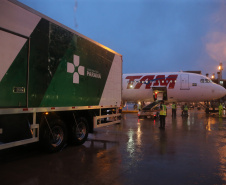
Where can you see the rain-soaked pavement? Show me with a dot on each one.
(136, 152)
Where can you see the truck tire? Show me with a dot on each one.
(79, 131)
(55, 139)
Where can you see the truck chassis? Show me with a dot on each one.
(45, 117)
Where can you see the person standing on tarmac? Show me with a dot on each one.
(174, 110)
(185, 110)
(162, 115)
(220, 110)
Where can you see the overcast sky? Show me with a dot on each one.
(152, 35)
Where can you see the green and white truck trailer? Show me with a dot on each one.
(56, 85)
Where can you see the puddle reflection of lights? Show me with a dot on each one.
(208, 127)
(139, 135)
(130, 143)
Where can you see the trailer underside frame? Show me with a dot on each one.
(111, 118)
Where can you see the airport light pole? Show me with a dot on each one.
(213, 76)
(220, 68)
(219, 74)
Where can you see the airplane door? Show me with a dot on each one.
(160, 96)
(184, 82)
(159, 93)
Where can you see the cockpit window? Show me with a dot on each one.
(205, 81)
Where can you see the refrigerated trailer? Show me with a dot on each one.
(56, 85)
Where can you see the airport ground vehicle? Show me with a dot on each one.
(150, 111)
(153, 113)
(56, 84)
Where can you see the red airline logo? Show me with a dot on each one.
(152, 81)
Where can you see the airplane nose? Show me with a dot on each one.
(221, 91)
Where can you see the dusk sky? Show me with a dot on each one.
(152, 35)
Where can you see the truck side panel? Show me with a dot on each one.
(81, 74)
(65, 69)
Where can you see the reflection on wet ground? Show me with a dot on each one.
(189, 151)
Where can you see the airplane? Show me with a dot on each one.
(170, 87)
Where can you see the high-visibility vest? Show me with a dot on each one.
(185, 107)
(173, 106)
(220, 107)
(163, 110)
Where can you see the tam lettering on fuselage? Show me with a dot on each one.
(151, 81)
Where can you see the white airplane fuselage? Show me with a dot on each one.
(170, 86)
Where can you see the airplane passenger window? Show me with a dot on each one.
(207, 81)
(202, 80)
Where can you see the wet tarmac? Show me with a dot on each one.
(136, 152)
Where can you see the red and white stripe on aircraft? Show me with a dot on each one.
(152, 81)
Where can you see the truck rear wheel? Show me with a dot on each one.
(54, 136)
(79, 131)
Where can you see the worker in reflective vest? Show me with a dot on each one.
(162, 115)
(185, 110)
(220, 110)
(174, 110)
